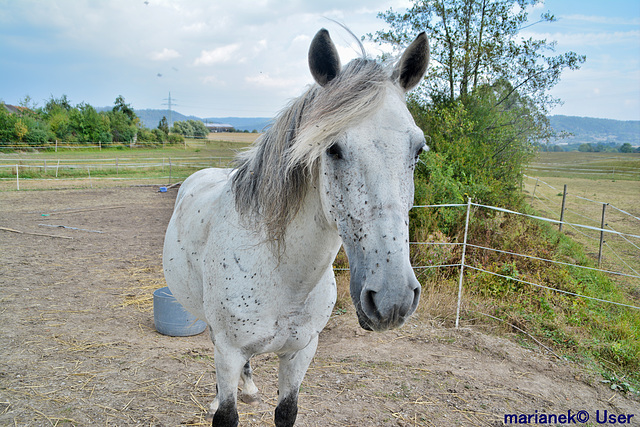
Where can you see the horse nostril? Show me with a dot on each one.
(416, 298)
(369, 304)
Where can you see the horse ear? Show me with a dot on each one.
(324, 61)
(413, 63)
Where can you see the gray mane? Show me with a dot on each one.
(272, 178)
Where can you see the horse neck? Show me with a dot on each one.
(310, 240)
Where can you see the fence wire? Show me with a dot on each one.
(464, 264)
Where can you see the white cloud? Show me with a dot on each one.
(165, 55)
(594, 19)
(576, 40)
(264, 80)
(217, 55)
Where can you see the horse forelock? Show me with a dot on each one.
(272, 177)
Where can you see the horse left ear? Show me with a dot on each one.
(324, 61)
(413, 63)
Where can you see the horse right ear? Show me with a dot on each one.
(324, 61)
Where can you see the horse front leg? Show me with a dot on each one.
(293, 367)
(229, 364)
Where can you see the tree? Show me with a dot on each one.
(475, 42)
(122, 128)
(21, 129)
(199, 129)
(56, 104)
(87, 125)
(183, 128)
(163, 125)
(484, 101)
(122, 106)
(586, 148)
(626, 148)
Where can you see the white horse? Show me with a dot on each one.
(250, 249)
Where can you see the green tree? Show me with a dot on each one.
(484, 102)
(87, 125)
(626, 148)
(21, 129)
(476, 42)
(183, 128)
(586, 148)
(163, 125)
(199, 129)
(56, 104)
(7, 126)
(121, 106)
(122, 128)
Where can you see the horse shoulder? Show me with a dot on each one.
(196, 208)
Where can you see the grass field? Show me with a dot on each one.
(586, 193)
(574, 164)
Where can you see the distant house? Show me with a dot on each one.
(14, 109)
(219, 127)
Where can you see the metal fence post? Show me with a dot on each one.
(464, 250)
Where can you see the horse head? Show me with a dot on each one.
(365, 178)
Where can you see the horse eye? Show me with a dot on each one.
(420, 151)
(335, 151)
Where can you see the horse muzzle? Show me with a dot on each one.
(387, 305)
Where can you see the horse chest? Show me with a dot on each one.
(263, 316)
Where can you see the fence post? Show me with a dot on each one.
(464, 250)
(533, 194)
(564, 198)
(18, 176)
(169, 170)
(604, 207)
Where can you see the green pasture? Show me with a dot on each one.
(114, 165)
(575, 164)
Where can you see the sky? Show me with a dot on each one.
(248, 58)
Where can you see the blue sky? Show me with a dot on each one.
(249, 57)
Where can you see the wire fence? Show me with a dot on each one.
(464, 263)
(616, 245)
(594, 230)
(58, 173)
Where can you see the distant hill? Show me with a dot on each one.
(582, 129)
(596, 131)
(150, 118)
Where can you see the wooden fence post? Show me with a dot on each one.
(564, 199)
(533, 194)
(604, 207)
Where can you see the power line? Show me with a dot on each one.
(169, 103)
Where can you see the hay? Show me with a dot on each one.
(144, 277)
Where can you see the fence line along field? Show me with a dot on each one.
(587, 191)
(92, 166)
(575, 164)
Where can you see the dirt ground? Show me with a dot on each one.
(78, 345)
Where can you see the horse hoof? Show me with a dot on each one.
(208, 416)
(250, 399)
